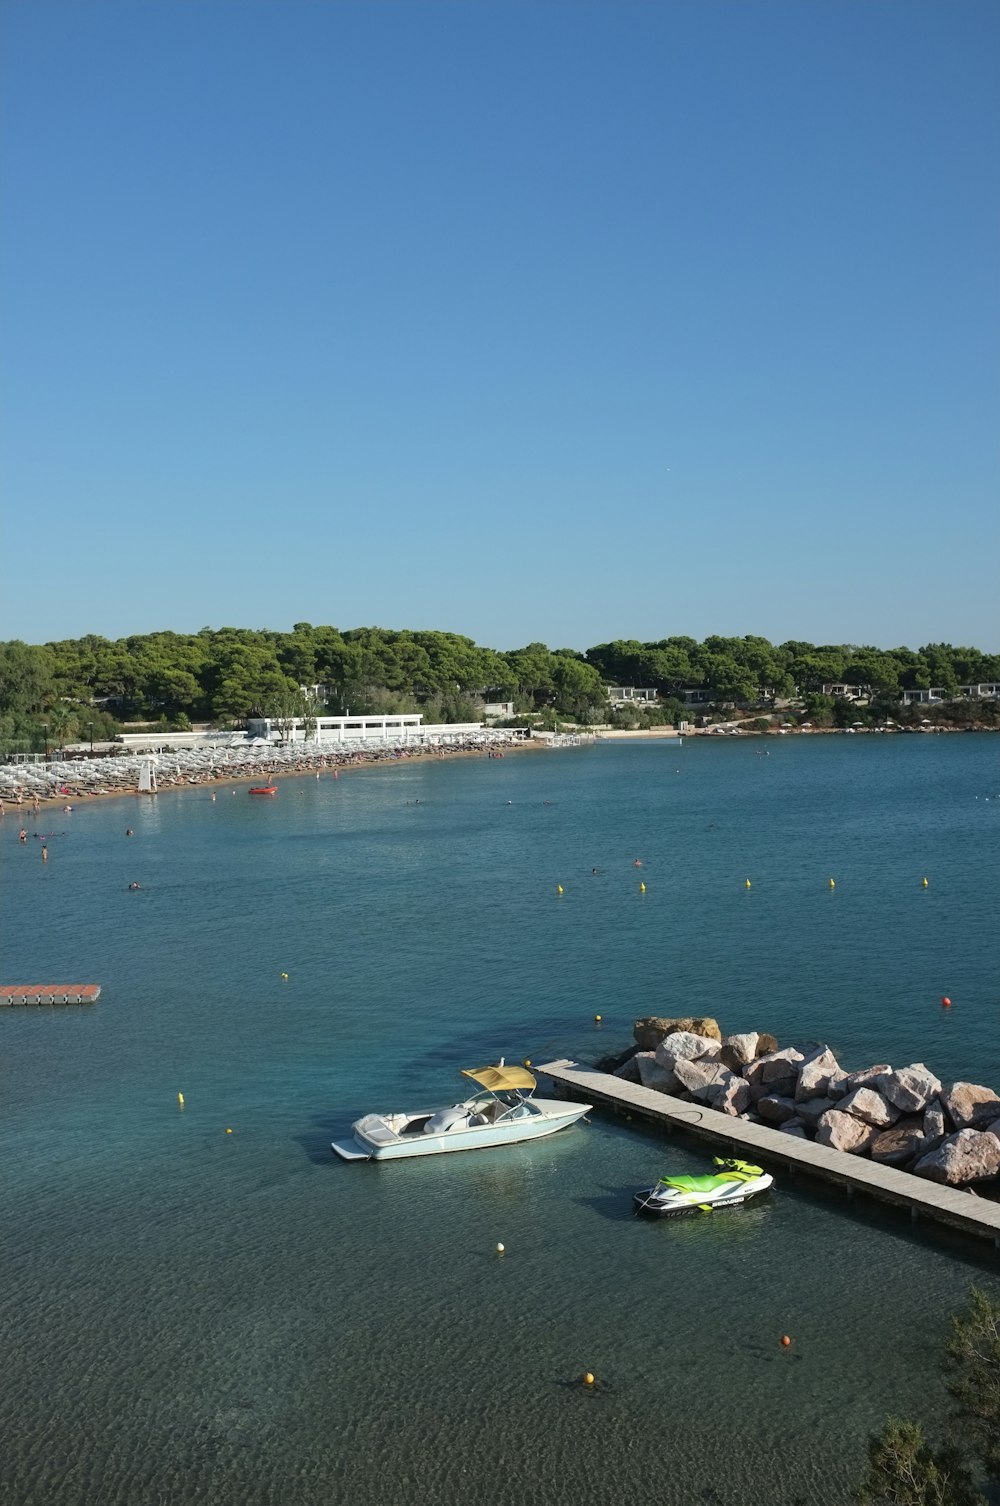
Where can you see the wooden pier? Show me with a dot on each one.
(49, 993)
(926, 1200)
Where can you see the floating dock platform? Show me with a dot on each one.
(926, 1200)
(49, 993)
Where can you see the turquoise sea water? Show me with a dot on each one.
(191, 1316)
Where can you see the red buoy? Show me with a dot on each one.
(945, 1001)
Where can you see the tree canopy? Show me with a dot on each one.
(227, 674)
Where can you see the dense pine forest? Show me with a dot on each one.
(55, 693)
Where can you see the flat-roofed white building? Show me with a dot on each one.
(631, 695)
(395, 728)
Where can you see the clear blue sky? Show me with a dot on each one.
(565, 321)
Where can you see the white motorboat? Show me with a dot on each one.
(734, 1183)
(503, 1112)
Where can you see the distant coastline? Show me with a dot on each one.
(116, 776)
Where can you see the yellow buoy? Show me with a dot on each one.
(588, 1379)
(642, 888)
(833, 884)
(597, 1019)
(500, 1249)
(527, 1061)
(924, 882)
(559, 888)
(284, 975)
(747, 883)
(180, 1099)
(229, 1132)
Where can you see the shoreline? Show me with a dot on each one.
(88, 779)
(284, 762)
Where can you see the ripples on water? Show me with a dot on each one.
(193, 1316)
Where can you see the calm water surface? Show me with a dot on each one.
(191, 1316)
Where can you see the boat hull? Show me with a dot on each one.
(647, 1202)
(477, 1137)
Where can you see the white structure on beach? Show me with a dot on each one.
(402, 727)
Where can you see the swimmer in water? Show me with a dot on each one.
(135, 886)
(637, 863)
(22, 835)
(45, 853)
(128, 829)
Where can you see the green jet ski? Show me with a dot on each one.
(734, 1183)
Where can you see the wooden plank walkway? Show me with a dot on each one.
(946, 1205)
(49, 993)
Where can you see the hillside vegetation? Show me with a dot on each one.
(55, 693)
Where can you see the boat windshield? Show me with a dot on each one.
(491, 1108)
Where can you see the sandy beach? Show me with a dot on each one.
(24, 787)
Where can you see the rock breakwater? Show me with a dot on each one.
(904, 1117)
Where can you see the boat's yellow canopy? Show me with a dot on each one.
(496, 1078)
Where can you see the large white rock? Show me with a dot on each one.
(844, 1132)
(775, 1110)
(815, 1074)
(783, 1087)
(813, 1109)
(839, 1087)
(698, 1077)
(867, 1104)
(774, 1066)
(909, 1088)
(652, 1075)
(897, 1146)
(684, 1045)
(969, 1106)
(969, 1156)
(739, 1050)
(935, 1124)
(729, 1094)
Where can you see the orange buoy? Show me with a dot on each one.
(945, 1001)
(588, 1379)
(785, 1341)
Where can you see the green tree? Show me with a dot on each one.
(532, 668)
(285, 707)
(578, 687)
(25, 677)
(973, 1366)
(903, 1470)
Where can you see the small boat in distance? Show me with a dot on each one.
(503, 1112)
(263, 789)
(733, 1184)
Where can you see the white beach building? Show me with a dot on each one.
(401, 727)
